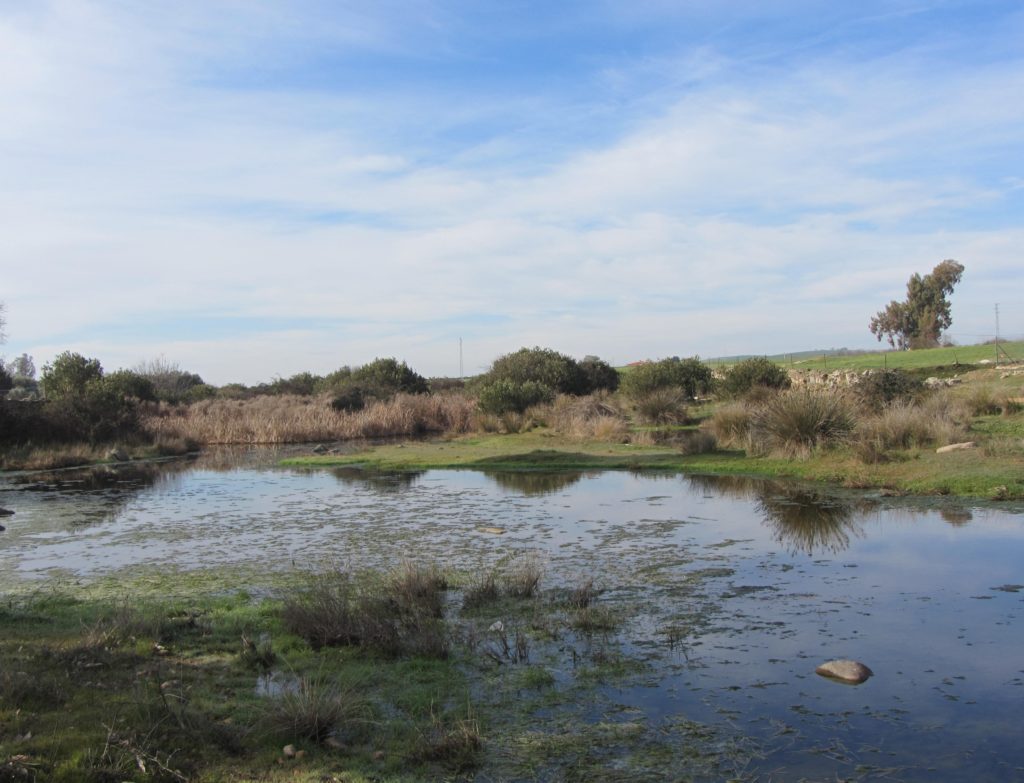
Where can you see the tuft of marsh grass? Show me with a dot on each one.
(482, 591)
(796, 422)
(396, 616)
(582, 595)
(667, 405)
(730, 424)
(455, 743)
(523, 576)
(314, 709)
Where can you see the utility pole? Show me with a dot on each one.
(461, 373)
(997, 332)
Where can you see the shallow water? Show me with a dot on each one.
(733, 590)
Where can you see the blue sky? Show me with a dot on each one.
(252, 189)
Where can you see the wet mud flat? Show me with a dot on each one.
(717, 600)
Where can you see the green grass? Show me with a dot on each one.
(907, 360)
(979, 473)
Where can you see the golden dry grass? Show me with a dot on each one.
(297, 419)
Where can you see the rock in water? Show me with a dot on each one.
(853, 672)
(117, 455)
(6, 512)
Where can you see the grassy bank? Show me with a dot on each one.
(995, 472)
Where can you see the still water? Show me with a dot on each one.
(732, 591)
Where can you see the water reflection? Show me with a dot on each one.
(535, 482)
(378, 481)
(956, 516)
(803, 520)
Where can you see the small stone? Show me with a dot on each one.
(969, 444)
(320, 449)
(6, 512)
(378, 755)
(853, 672)
(2, 528)
(117, 455)
(497, 626)
(288, 751)
(494, 531)
(300, 755)
(334, 743)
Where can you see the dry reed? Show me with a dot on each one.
(297, 419)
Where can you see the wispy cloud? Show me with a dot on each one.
(263, 188)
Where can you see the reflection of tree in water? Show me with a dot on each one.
(809, 522)
(802, 519)
(535, 482)
(100, 492)
(385, 482)
(956, 516)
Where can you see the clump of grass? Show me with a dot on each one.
(730, 424)
(595, 618)
(794, 423)
(417, 589)
(523, 576)
(257, 654)
(482, 591)
(398, 616)
(666, 405)
(987, 401)
(903, 425)
(582, 595)
(594, 417)
(323, 613)
(454, 743)
(698, 441)
(315, 709)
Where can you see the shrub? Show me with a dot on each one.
(131, 385)
(507, 396)
(877, 389)
(596, 416)
(796, 422)
(384, 378)
(349, 399)
(752, 373)
(540, 367)
(170, 382)
(691, 376)
(304, 383)
(600, 376)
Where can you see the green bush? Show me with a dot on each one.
(349, 399)
(385, 378)
(69, 375)
(130, 384)
(691, 376)
(303, 383)
(506, 396)
(756, 372)
(599, 375)
(878, 389)
(539, 366)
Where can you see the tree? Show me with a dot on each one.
(70, 375)
(919, 321)
(757, 371)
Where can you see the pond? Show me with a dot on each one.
(730, 592)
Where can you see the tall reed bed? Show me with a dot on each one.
(298, 419)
